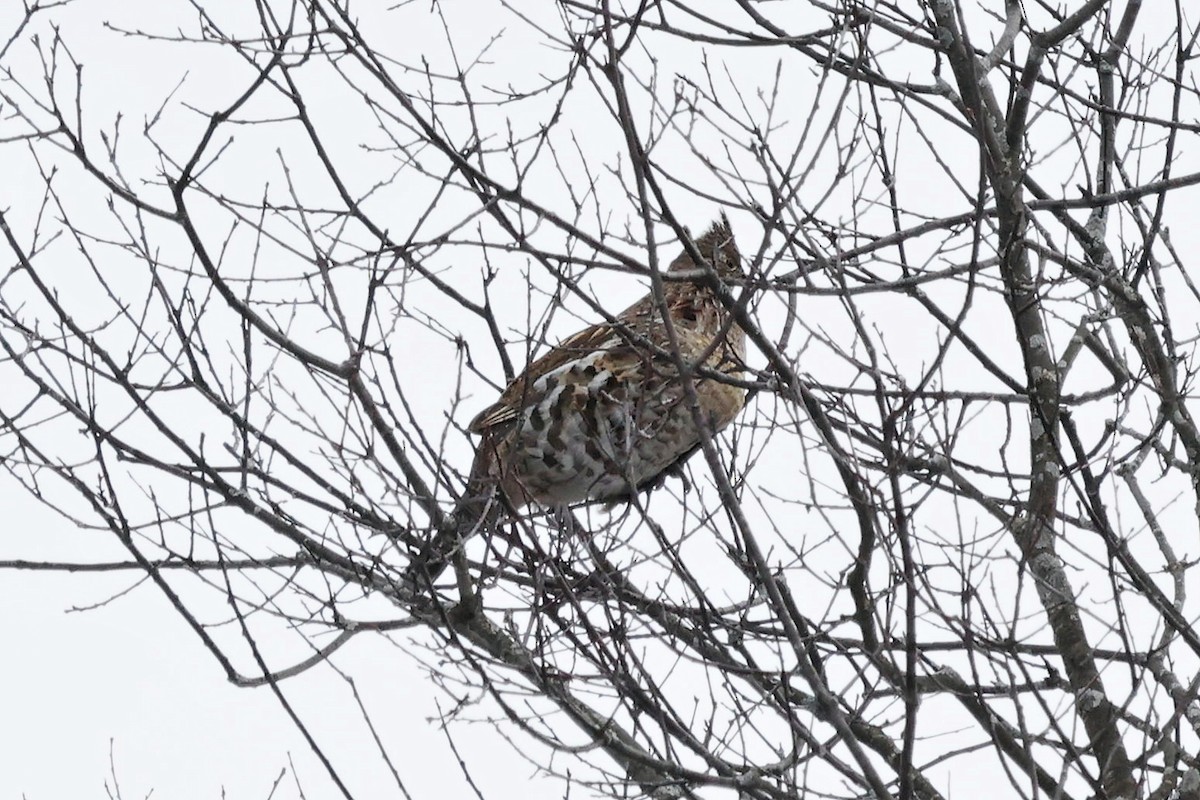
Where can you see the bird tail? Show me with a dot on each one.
(477, 511)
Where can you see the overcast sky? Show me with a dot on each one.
(100, 678)
(101, 681)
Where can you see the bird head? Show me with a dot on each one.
(718, 249)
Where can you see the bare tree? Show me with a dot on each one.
(953, 531)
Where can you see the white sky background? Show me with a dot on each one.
(128, 672)
(128, 677)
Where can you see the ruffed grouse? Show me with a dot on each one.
(606, 413)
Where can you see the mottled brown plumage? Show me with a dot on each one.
(606, 413)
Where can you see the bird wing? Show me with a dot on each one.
(517, 396)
